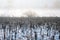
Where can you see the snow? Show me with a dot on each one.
(29, 33)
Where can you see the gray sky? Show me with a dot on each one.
(17, 7)
(29, 4)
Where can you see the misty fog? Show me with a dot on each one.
(41, 7)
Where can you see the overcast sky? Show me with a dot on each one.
(42, 7)
(29, 4)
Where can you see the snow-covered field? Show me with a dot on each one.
(35, 32)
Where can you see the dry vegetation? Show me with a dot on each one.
(34, 20)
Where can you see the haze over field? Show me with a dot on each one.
(16, 8)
